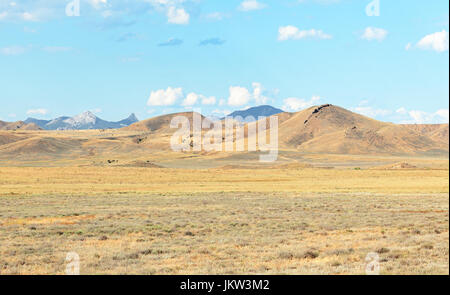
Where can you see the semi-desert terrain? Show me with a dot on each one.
(343, 186)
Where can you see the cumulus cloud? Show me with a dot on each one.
(436, 41)
(177, 16)
(112, 12)
(165, 97)
(258, 93)
(371, 33)
(194, 98)
(294, 33)
(37, 112)
(190, 99)
(293, 104)
(421, 117)
(250, 5)
(209, 100)
(238, 96)
(403, 115)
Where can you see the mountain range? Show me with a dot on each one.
(83, 121)
(325, 129)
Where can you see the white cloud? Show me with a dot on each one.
(177, 16)
(293, 104)
(421, 117)
(165, 97)
(408, 46)
(190, 99)
(437, 41)
(258, 93)
(13, 50)
(443, 114)
(293, 33)
(371, 33)
(37, 112)
(111, 12)
(194, 98)
(97, 4)
(208, 100)
(249, 5)
(238, 96)
(401, 111)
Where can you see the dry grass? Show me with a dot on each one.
(223, 221)
(225, 233)
(124, 180)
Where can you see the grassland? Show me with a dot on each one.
(123, 220)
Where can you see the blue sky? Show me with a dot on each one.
(153, 57)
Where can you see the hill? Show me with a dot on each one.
(331, 129)
(19, 125)
(160, 124)
(438, 132)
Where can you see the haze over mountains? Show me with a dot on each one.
(84, 121)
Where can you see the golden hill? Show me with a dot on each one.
(331, 129)
(438, 132)
(19, 125)
(325, 129)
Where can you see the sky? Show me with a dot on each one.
(388, 60)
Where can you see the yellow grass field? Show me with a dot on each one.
(129, 220)
(132, 180)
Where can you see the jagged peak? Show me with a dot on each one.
(133, 117)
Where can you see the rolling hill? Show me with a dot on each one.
(325, 129)
(331, 129)
(19, 125)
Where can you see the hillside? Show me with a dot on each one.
(438, 132)
(325, 129)
(331, 129)
(19, 125)
(160, 124)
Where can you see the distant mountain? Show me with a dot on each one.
(84, 121)
(255, 112)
